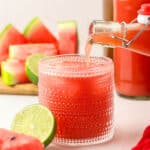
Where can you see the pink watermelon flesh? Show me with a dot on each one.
(13, 72)
(68, 38)
(37, 32)
(14, 141)
(9, 36)
(21, 52)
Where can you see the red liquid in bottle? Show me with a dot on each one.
(132, 73)
(139, 46)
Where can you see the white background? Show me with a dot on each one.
(20, 12)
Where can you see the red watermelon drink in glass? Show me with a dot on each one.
(80, 95)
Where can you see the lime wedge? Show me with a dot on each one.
(31, 66)
(35, 120)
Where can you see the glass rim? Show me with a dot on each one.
(101, 65)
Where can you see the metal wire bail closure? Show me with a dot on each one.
(143, 17)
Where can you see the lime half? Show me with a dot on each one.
(35, 120)
(31, 66)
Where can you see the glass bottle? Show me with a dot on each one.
(132, 76)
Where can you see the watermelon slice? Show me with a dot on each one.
(37, 32)
(9, 36)
(21, 52)
(14, 141)
(68, 38)
(13, 72)
(4, 135)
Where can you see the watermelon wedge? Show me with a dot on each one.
(13, 72)
(21, 52)
(37, 32)
(14, 141)
(9, 36)
(4, 135)
(68, 37)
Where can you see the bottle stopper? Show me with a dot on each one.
(144, 14)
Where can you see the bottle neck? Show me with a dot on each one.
(99, 26)
(115, 34)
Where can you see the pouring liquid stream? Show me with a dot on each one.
(88, 48)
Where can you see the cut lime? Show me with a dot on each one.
(31, 66)
(35, 120)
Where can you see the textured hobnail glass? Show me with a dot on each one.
(80, 95)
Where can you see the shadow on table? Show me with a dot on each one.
(62, 147)
(121, 137)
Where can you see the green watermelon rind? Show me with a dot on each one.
(31, 24)
(69, 25)
(11, 54)
(9, 36)
(7, 77)
(65, 25)
(7, 28)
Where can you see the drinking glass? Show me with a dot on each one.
(80, 95)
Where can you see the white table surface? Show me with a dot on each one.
(131, 118)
